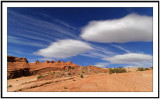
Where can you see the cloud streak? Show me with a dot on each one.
(41, 27)
(22, 41)
(122, 48)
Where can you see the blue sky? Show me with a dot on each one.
(105, 37)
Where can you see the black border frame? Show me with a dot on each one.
(72, 1)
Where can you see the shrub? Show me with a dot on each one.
(117, 70)
(65, 87)
(142, 69)
(146, 69)
(52, 73)
(20, 90)
(151, 67)
(81, 76)
(9, 86)
(72, 68)
(40, 76)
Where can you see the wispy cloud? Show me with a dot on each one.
(60, 22)
(99, 52)
(44, 27)
(122, 48)
(22, 41)
(18, 52)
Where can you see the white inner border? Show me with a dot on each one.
(82, 94)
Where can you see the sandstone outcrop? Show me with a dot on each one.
(52, 61)
(58, 61)
(69, 62)
(17, 67)
(37, 62)
(50, 66)
(16, 59)
(47, 61)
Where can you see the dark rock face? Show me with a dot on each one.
(18, 73)
(17, 67)
(16, 59)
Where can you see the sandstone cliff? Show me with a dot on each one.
(17, 67)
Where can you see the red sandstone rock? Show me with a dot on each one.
(52, 61)
(62, 62)
(69, 62)
(17, 67)
(47, 61)
(37, 62)
(16, 59)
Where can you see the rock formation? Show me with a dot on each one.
(16, 59)
(52, 61)
(47, 61)
(69, 62)
(17, 67)
(37, 62)
(58, 61)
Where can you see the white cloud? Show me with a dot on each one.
(101, 65)
(130, 58)
(130, 28)
(64, 49)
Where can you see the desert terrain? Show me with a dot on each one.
(69, 77)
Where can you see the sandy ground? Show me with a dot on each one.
(133, 81)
